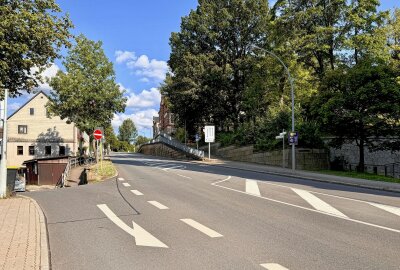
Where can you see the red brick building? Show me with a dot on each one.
(165, 122)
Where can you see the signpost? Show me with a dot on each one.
(209, 132)
(98, 135)
(293, 138)
(282, 136)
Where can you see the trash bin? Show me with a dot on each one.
(11, 175)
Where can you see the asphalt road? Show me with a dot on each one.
(165, 214)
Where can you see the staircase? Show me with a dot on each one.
(166, 146)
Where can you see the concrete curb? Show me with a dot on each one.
(44, 244)
(363, 185)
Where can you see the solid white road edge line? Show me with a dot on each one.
(313, 210)
(207, 231)
(252, 187)
(158, 205)
(126, 184)
(137, 192)
(273, 266)
(391, 209)
(317, 203)
(142, 237)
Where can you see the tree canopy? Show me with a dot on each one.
(31, 36)
(86, 93)
(127, 132)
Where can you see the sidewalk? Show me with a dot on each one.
(23, 235)
(378, 185)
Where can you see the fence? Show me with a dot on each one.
(72, 163)
(391, 169)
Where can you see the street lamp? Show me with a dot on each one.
(292, 93)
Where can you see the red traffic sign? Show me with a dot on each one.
(97, 134)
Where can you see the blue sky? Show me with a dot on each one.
(135, 36)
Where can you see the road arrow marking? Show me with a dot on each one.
(211, 233)
(317, 203)
(252, 187)
(391, 209)
(273, 266)
(142, 237)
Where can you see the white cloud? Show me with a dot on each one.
(147, 98)
(123, 89)
(14, 106)
(147, 69)
(143, 120)
(48, 73)
(124, 56)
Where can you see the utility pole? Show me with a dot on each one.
(3, 163)
(292, 95)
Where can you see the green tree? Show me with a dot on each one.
(141, 140)
(211, 59)
(361, 104)
(127, 132)
(111, 138)
(86, 93)
(31, 36)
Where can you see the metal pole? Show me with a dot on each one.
(283, 147)
(3, 164)
(209, 150)
(292, 94)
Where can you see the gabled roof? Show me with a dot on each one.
(41, 91)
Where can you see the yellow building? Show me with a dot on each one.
(33, 134)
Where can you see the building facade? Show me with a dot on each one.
(166, 118)
(32, 133)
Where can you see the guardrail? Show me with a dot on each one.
(168, 140)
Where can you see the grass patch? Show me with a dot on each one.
(101, 171)
(367, 176)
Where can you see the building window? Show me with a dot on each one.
(31, 150)
(22, 129)
(20, 150)
(31, 111)
(61, 151)
(47, 150)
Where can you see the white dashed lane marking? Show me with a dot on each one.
(207, 231)
(126, 184)
(158, 205)
(317, 203)
(273, 266)
(121, 179)
(137, 192)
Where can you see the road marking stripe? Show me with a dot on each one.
(158, 205)
(313, 210)
(184, 176)
(211, 233)
(136, 192)
(126, 184)
(142, 237)
(121, 179)
(391, 209)
(252, 187)
(226, 179)
(273, 266)
(174, 167)
(317, 203)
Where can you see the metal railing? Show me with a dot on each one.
(391, 169)
(168, 140)
(72, 163)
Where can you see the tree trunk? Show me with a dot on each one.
(361, 162)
